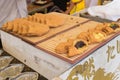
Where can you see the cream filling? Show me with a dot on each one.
(98, 36)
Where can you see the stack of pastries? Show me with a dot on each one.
(79, 45)
(35, 25)
(52, 20)
(26, 28)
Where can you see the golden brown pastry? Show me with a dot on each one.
(16, 24)
(84, 36)
(100, 27)
(111, 28)
(37, 29)
(96, 36)
(70, 42)
(78, 47)
(62, 48)
(114, 26)
(72, 47)
(39, 18)
(30, 18)
(54, 20)
(108, 28)
(15, 27)
(72, 51)
(19, 29)
(4, 26)
(24, 29)
(9, 26)
(12, 24)
(42, 18)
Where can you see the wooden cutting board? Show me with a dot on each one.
(49, 45)
(70, 22)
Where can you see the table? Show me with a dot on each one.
(51, 66)
(36, 8)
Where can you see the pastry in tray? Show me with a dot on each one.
(72, 47)
(79, 46)
(16, 24)
(62, 48)
(111, 28)
(100, 27)
(37, 29)
(108, 28)
(29, 18)
(38, 17)
(26, 28)
(15, 27)
(96, 36)
(4, 26)
(11, 25)
(8, 26)
(54, 20)
(84, 36)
